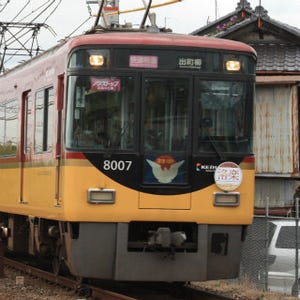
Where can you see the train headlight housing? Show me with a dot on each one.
(226, 199)
(233, 65)
(101, 196)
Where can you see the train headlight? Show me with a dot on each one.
(226, 199)
(233, 65)
(96, 60)
(101, 196)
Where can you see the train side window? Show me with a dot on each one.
(27, 122)
(8, 128)
(43, 136)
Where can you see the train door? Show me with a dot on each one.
(58, 154)
(38, 166)
(26, 142)
(165, 140)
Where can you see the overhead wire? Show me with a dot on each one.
(24, 51)
(33, 19)
(77, 28)
(35, 10)
(49, 5)
(20, 34)
(20, 11)
(4, 6)
(14, 35)
(17, 34)
(52, 12)
(12, 55)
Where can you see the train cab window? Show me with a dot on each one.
(44, 113)
(100, 113)
(223, 119)
(166, 122)
(8, 128)
(165, 130)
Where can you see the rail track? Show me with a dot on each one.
(121, 291)
(72, 284)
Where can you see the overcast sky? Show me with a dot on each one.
(182, 17)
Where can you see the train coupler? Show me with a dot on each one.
(163, 237)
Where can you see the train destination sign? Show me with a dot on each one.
(105, 84)
(190, 63)
(143, 61)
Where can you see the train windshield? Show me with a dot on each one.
(176, 115)
(224, 117)
(100, 112)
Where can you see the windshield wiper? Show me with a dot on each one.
(215, 147)
(206, 124)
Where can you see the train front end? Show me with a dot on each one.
(157, 176)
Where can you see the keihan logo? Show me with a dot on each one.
(198, 167)
(205, 168)
(165, 168)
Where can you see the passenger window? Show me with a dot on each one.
(44, 104)
(8, 128)
(27, 122)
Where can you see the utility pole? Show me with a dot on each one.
(18, 39)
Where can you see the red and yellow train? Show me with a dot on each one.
(128, 156)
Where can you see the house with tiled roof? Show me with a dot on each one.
(276, 138)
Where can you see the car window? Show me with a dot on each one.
(287, 238)
(272, 228)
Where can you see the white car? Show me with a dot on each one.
(281, 257)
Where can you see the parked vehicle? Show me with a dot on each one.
(281, 256)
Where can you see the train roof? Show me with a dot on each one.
(142, 38)
(161, 39)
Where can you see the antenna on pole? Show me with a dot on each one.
(216, 9)
(108, 10)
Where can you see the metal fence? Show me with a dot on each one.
(270, 255)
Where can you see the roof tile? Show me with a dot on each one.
(277, 57)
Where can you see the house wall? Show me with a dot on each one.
(274, 192)
(276, 140)
(276, 144)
